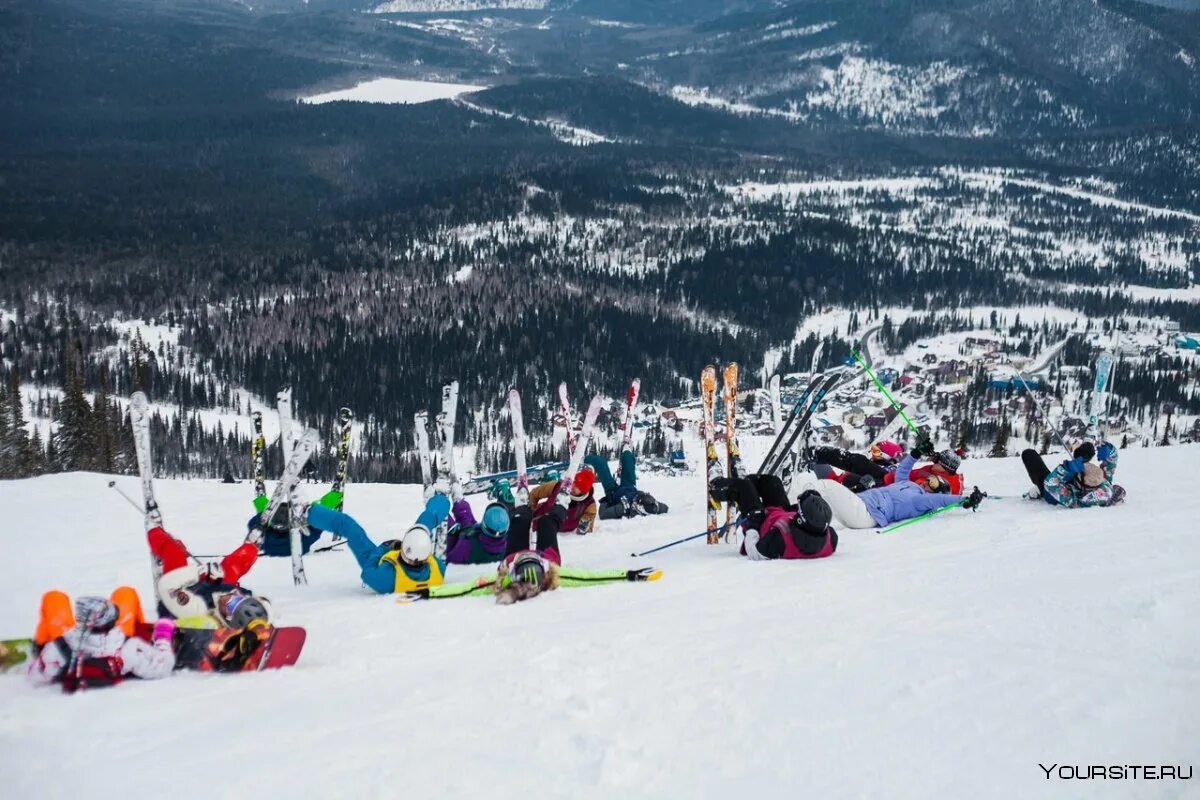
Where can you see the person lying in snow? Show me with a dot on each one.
(94, 643)
(622, 498)
(774, 527)
(528, 568)
(579, 512)
(477, 542)
(406, 564)
(879, 469)
(276, 540)
(1077, 481)
(904, 498)
(208, 595)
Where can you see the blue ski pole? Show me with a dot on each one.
(733, 524)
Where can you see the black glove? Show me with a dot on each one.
(923, 448)
(974, 499)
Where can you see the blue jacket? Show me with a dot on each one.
(380, 576)
(903, 499)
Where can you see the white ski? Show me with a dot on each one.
(564, 410)
(139, 415)
(631, 399)
(776, 408)
(1104, 365)
(446, 420)
(301, 453)
(283, 404)
(421, 438)
(518, 439)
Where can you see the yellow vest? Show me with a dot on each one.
(406, 584)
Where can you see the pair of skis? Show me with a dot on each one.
(139, 414)
(447, 474)
(781, 457)
(708, 396)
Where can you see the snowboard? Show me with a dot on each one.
(201, 649)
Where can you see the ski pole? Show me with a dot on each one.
(858, 357)
(128, 499)
(733, 524)
(926, 515)
(1038, 406)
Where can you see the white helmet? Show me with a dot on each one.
(416, 546)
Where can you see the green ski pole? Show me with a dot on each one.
(858, 357)
(926, 515)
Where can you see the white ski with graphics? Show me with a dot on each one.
(518, 440)
(139, 416)
(283, 405)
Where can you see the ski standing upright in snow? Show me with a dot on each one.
(139, 416)
(258, 461)
(518, 441)
(782, 434)
(712, 464)
(733, 458)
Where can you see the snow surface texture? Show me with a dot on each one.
(394, 90)
(945, 660)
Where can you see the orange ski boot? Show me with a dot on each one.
(56, 617)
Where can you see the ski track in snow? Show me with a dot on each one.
(946, 660)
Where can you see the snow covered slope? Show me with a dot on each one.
(946, 660)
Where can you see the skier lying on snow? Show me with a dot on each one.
(94, 643)
(622, 499)
(879, 469)
(906, 497)
(208, 596)
(406, 564)
(276, 539)
(475, 542)
(774, 527)
(1077, 481)
(526, 572)
(580, 510)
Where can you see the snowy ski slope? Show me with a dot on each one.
(946, 660)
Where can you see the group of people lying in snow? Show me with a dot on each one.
(94, 639)
(885, 486)
(879, 488)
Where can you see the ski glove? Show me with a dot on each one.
(1073, 467)
(923, 448)
(976, 497)
(1106, 451)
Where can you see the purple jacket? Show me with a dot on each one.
(903, 499)
(466, 543)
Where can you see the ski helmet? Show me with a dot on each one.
(528, 568)
(495, 521)
(241, 610)
(814, 513)
(1086, 451)
(886, 451)
(95, 613)
(416, 546)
